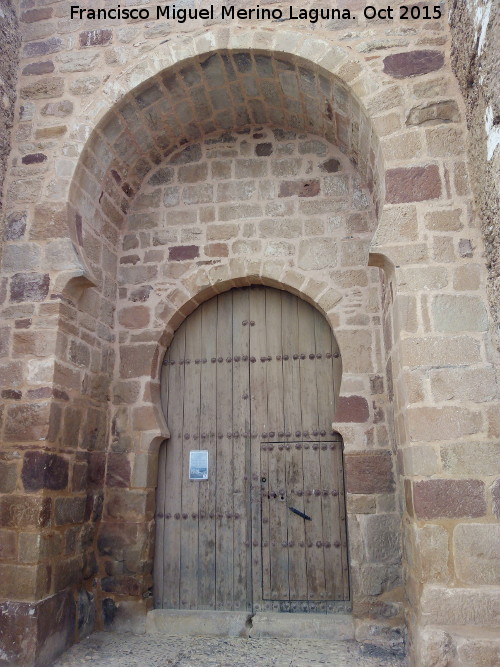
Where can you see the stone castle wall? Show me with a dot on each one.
(154, 165)
(9, 36)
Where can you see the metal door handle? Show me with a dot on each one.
(299, 513)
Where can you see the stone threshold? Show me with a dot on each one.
(272, 625)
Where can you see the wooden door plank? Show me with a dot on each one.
(307, 368)
(291, 373)
(324, 376)
(272, 360)
(208, 441)
(343, 519)
(259, 425)
(297, 561)
(160, 528)
(173, 477)
(241, 451)
(331, 523)
(225, 472)
(266, 536)
(190, 488)
(278, 523)
(314, 528)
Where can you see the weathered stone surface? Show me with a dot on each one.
(317, 254)
(58, 109)
(413, 63)
(25, 511)
(453, 498)
(409, 184)
(448, 423)
(118, 471)
(475, 548)
(29, 287)
(27, 422)
(8, 476)
(15, 226)
(42, 470)
(369, 472)
(86, 613)
(51, 45)
(182, 253)
(460, 606)
(42, 67)
(459, 313)
(381, 536)
(495, 494)
(430, 113)
(352, 409)
(69, 510)
(43, 88)
(299, 188)
(478, 458)
(95, 37)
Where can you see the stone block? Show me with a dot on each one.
(136, 360)
(449, 498)
(182, 253)
(440, 351)
(420, 460)
(431, 547)
(236, 191)
(43, 88)
(448, 220)
(423, 278)
(28, 422)
(95, 37)
(351, 409)
(15, 226)
(479, 652)
(453, 314)
(471, 458)
(413, 63)
(375, 579)
(444, 423)
(24, 582)
(134, 317)
(431, 113)
(317, 253)
(381, 537)
(460, 606)
(361, 504)
(8, 476)
(42, 67)
(42, 470)
(43, 48)
(412, 184)
(464, 384)
(304, 188)
(69, 510)
(475, 551)
(118, 471)
(29, 287)
(495, 496)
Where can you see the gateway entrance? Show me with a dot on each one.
(257, 521)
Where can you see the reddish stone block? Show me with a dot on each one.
(369, 472)
(45, 67)
(25, 511)
(118, 471)
(413, 63)
(352, 409)
(27, 422)
(449, 498)
(33, 158)
(96, 470)
(42, 470)
(216, 250)
(34, 49)
(183, 252)
(95, 37)
(29, 287)
(412, 184)
(135, 317)
(12, 394)
(33, 15)
(309, 188)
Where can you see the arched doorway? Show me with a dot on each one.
(250, 506)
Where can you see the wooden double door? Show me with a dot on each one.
(250, 379)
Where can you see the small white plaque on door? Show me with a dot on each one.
(198, 464)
